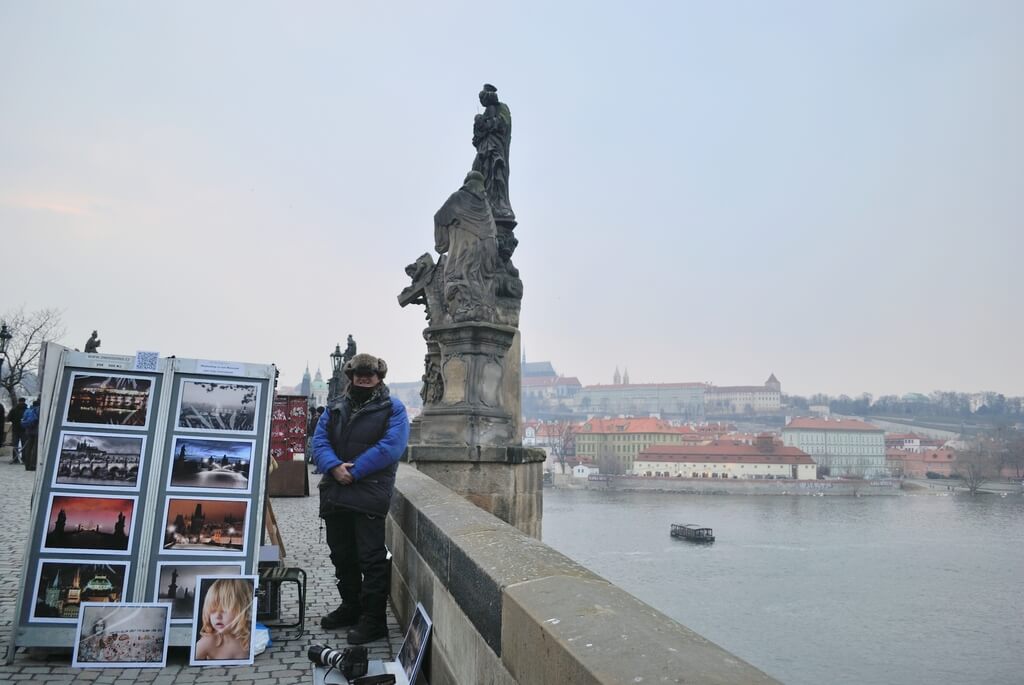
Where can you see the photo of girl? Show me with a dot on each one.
(224, 623)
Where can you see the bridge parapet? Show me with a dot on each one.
(509, 609)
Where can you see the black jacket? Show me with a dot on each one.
(373, 438)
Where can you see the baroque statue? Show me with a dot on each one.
(492, 134)
(93, 343)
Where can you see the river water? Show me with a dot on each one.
(813, 590)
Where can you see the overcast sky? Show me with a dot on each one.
(706, 191)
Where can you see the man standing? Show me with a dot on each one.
(357, 445)
(30, 428)
(3, 422)
(17, 434)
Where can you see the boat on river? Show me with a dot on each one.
(692, 532)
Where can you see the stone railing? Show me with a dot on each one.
(509, 609)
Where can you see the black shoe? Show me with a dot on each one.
(342, 617)
(367, 631)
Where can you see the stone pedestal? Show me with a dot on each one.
(468, 436)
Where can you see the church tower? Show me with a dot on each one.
(617, 378)
(304, 389)
(625, 377)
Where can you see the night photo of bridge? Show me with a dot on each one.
(211, 464)
(96, 460)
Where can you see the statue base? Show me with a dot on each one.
(506, 481)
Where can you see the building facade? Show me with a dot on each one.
(744, 399)
(668, 400)
(726, 460)
(841, 447)
(620, 440)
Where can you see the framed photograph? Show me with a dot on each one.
(99, 460)
(176, 583)
(211, 406)
(223, 621)
(214, 525)
(210, 464)
(122, 635)
(89, 524)
(414, 647)
(109, 400)
(63, 585)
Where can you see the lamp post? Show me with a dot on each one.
(5, 336)
(336, 358)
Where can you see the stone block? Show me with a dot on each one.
(562, 629)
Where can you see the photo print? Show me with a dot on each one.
(176, 583)
(218, 406)
(223, 621)
(210, 464)
(213, 525)
(62, 585)
(110, 400)
(96, 460)
(122, 636)
(89, 524)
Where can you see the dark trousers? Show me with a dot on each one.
(360, 561)
(28, 451)
(17, 443)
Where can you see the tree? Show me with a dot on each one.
(29, 332)
(976, 465)
(562, 442)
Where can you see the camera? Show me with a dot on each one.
(351, 661)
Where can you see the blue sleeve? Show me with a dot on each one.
(389, 449)
(323, 453)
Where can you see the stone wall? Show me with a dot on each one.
(509, 609)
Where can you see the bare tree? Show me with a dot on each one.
(976, 465)
(561, 440)
(29, 331)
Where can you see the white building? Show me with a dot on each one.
(846, 447)
(727, 460)
(584, 471)
(744, 399)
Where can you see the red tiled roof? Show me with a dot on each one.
(722, 452)
(810, 423)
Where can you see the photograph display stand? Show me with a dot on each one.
(148, 476)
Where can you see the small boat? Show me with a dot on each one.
(691, 532)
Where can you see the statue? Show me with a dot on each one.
(492, 133)
(93, 343)
(350, 350)
(464, 229)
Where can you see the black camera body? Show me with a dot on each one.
(351, 661)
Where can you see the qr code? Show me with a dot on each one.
(146, 361)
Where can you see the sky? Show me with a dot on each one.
(706, 191)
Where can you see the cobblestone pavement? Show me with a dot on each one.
(283, 663)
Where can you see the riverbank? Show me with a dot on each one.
(715, 486)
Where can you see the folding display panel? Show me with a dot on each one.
(146, 479)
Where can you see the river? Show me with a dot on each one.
(813, 590)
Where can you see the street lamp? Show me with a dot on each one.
(332, 385)
(336, 358)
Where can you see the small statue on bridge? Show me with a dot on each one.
(93, 343)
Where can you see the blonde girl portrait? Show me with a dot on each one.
(226, 621)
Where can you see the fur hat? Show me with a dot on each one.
(366, 362)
